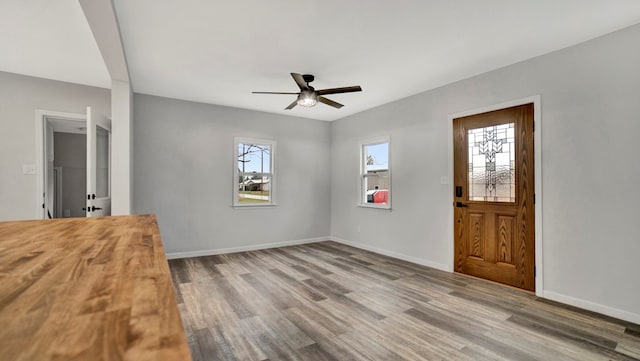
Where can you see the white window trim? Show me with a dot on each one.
(236, 174)
(361, 172)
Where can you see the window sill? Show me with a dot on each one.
(250, 206)
(366, 205)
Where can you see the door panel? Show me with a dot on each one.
(476, 235)
(98, 165)
(505, 239)
(494, 214)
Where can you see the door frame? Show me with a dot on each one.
(537, 144)
(40, 123)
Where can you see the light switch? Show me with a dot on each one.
(444, 179)
(29, 169)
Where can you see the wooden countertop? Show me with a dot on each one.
(87, 289)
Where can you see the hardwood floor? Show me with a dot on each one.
(328, 301)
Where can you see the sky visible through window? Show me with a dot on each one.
(254, 157)
(380, 155)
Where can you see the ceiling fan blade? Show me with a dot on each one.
(300, 81)
(346, 89)
(295, 102)
(330, 102)
(274, 93)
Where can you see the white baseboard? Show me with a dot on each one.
(558, 297)
(592, 306)
(420, 261)
(256, 247)
(587, 305)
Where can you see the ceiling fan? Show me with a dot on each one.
(308, 96)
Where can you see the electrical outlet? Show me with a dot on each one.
(29, 169)
(444, 180)
(358, 229)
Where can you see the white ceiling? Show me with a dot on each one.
(219, 51)
(62, 125)
(50, 39)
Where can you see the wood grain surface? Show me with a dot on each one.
(327, 301)
(87, 289)
(496, 240)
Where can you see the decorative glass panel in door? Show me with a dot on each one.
(492, 163)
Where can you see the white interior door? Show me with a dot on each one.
(98, 165)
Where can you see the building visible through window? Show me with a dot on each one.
(254, 174)
(375, 174)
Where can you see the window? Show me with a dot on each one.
(253, 183)
(375, 174)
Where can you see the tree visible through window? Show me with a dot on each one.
(254, 172)
(375, 174)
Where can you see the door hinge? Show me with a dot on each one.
(42, 205)
(533, 126)
(534, 198)
(534, 271)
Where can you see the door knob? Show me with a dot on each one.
(94, 208)
(460, 205)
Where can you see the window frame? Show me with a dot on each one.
(272, 174)
(362, 202)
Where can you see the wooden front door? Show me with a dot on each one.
(494, 196)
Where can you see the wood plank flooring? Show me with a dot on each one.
(328, 301)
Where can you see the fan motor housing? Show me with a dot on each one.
(308, 78)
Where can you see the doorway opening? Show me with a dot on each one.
(74, 163)
(66, 168)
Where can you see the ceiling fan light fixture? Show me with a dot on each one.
(307, 98)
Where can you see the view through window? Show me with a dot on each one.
(375, 174)
(254, 172)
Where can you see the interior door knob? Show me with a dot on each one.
(460, 205)
(94, 208)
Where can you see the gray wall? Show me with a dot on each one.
(590, 96)
(183, 152)
(70, 153)
(20, 96)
